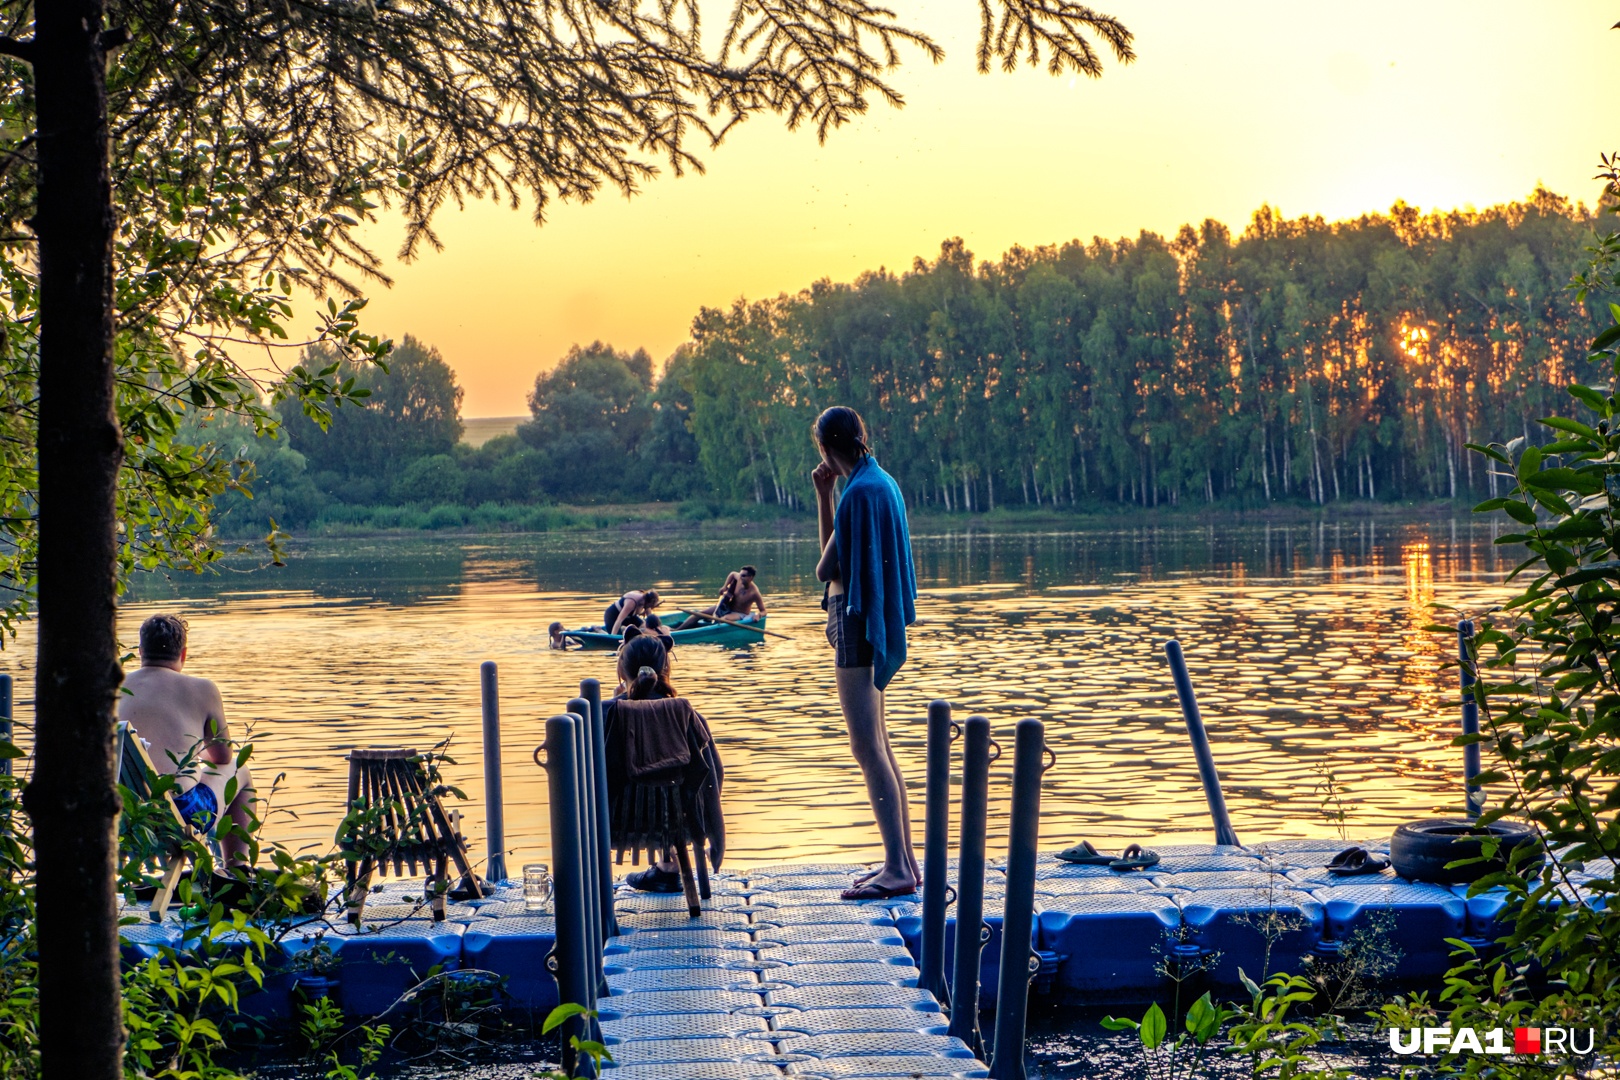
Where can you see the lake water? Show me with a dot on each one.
(1305, 643)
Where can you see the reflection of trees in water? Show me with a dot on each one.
(401, 572)
(409, 570)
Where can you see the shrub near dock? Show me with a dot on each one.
(1549, 702)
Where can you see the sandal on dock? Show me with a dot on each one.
(869, 891)
(1083, 854)
(655, 880)
(1135, 857)
(1355, 861)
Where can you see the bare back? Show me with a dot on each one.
(178, 714)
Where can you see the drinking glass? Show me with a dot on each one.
(537, 887)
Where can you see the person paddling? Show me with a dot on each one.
(871, 592)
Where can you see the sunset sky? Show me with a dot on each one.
(1320, 109)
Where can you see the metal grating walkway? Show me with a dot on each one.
(778, 978)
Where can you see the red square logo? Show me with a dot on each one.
(1527, 1040)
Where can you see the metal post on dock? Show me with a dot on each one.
(971, 932)
(570, 960)
(1473, 794)
(1224, 833)
(936, 848)
(591, 691)
(494, 807)
(1018, 960)
(581, 708)
(5, 719)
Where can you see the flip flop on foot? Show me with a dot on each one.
(1135, 857)
(870, 891)
(1356, 861)
(1083, 854)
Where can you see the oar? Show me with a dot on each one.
(742, 625)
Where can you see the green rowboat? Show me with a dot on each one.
(723, 633)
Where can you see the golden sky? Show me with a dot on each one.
(1332, 109)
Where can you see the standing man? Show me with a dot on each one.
(178, 714)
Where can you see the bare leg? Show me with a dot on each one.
(905, 802)
(885, 788)
(905, 795)
(241, 812)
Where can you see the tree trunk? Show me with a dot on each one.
(990, 488)
(1265, 453)
(1451, 465)
(72, 797)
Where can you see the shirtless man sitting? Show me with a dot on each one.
(738, 596)
(178, 714)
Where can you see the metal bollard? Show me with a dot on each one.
(581, 708)
(1224, 833)
(591, 691)
(5, 719)
(1473, 794)
(570, 959)
(1018, 959)
(971, 932)
(936, 848)
(494, 807)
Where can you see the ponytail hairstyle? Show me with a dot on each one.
(644, 668)
(841, 431)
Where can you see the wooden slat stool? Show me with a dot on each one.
(403, 823)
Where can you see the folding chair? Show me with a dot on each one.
(135, 771)
(406, 825)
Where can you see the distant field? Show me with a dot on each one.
(479, 431)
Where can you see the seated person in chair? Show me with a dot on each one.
(684, 741)
(177, 714)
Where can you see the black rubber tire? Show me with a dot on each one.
(1420, 850)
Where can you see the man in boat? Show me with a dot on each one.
(738, 597)
(181, 718)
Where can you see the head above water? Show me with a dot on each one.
(841, 436)
(163, 640)
(644, 667)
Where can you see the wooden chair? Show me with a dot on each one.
(405, 824)
(664, 777)
(135, 771)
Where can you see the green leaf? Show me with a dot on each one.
(562, 1014)
(1607, 338)
(1520, 512)
(1154, 1027)
(1596, 401)
(9, 751)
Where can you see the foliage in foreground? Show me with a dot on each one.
(1549, 701)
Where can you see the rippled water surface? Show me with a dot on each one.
(1305, 644)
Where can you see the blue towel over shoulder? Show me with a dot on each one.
(874, 558)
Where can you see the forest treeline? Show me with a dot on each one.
(1301, 360)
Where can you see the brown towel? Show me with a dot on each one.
(655, 734)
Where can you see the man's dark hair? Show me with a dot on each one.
(163, 637)
(750, 571)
